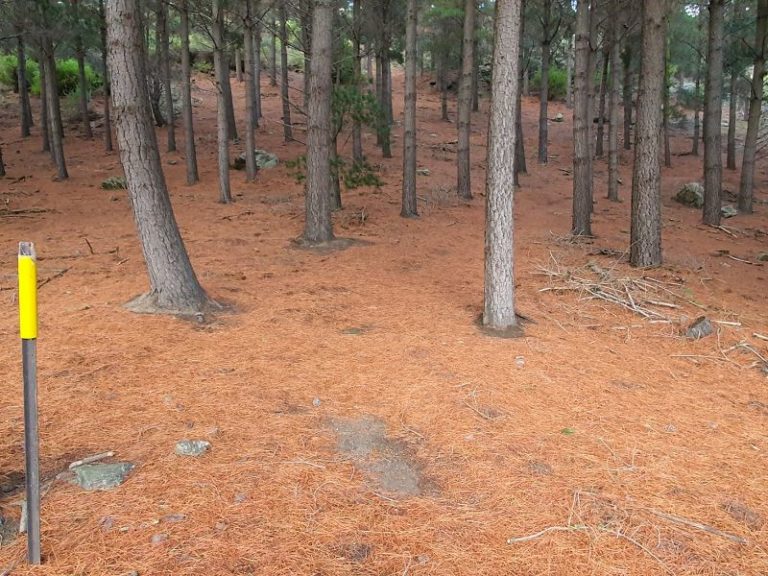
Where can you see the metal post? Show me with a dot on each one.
(28, 330)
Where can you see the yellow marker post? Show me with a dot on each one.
(28, 330)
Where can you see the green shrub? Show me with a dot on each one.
(202, 66)
(8, 72)
(114, 183)
(67, 78)
(558, 80)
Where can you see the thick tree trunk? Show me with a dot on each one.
(25, 108)
(174, 287)
(55, 128)
(569, 73)
(645, 235)
(746, 182)
(319, 226)
(665, 112)
(386, 84)
(499, 290)
(443, 87)
(730, 154)
(306, 38)
(107, 81)
(713, 110)
(409, 207)
(520, 164)
(190, 151)
(284, 85)
(600, 137)
(335, 168)
(475, 73)
(45, 133)
(165, 71)
(238, 65)
(357, 129)
(546, 21)
(627, 96)
(464, 104)
(582, 156)
(257, 66)
(222, 79)
(273, 53)
(615, 29)
(229, 105)
(250, 95)
(697, 115)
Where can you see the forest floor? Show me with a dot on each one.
(360, 422)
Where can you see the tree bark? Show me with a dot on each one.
(55, 128)
(284, 86)
(306, 37)
(318, 226)
(257, 30)
(520, 164)
(600, 136)
(386, 84)
(226, 84)
(165, 71)
(582, 156)
(665, 112)
(499, 290)
(222, 124)
(250, 95)
(713, 110)
(174, 287)
(627, 96)
(569, 73)
(190, 151)
(730, 154)
(409, 207)
(357, 129)
(107, 81)
(238, 65)
(273, 54)
(546, 21)
(746, 182)
(25, 111)
(464, 105)
(45, 132)
(443, 87)
(697, 115)
(645, 234)
(613, 103)
(475, 72)
(2, 163)
(82, 80)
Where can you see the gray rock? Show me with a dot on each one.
(692, 194)
(729, 211)
(264, 159)
(559, 117)
(192, 447)
(762, 257)
(159, 538)
(700, 328)
(101, 476)
(423, 171)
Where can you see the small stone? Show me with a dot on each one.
(423, 172)
(700, 328)
(729, 211)
(192, 447)
(221, 526)
(159, 538)
(558, 117)
(692, 194)
(469, 437)
(519, 361)
(263, 158)
(174, 518)
(316, 402)
(107, 523)
(762, 257)
(670, 428)
(173, 162)
(101, 476)
(240, 497)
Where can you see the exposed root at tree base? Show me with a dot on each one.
(515, 331)
(148, 303)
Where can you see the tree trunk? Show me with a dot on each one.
(357, 129)
(82, 80)
(25, 111)
(582, 175)
(546, 20)
(45, 133)
(273, 54)
(697, 114)
(386, 84)
(499, 290)
(335, 169)
(627, 96)
(186, 96)
(520, 165)
(443, 86)
(569, 73)
(238, 65)
(287, 128)
(319, 226)
(229, 106)
(600, 137)
(730, 155)
(55, 128)
(2, 163)
(257, 67)
(409, 207)
(250, 95)
(174, 287)
(475, 73)
(645, 235)
(746, 182)
(306, 37)
(665, 112)
(222, 132)
(713, 111)
(165, 71)
(107, 82)
(613, 103)
(464, 177)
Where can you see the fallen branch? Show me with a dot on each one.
(539, 534)
(698, 525)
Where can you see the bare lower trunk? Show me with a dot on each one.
(335, 169)
(386, 102)
(499, 286)
(228, 101)
(582, 175)
(357, 138)
(222, 132)
(746, 182)
(165, 71)
(284, 86)
(319, 227)
(25, 108)
(520, 165)
(613, 104)
(55, 127)
(544, 85)
(645, 235)
(627, 95)
(257, 67)
(730, 154)
(463, 182)
(45, 133)
(273, 53)
(665, 112)
(238, 65)
(190, 151)
(697, 115)
(2, 162)
(600, 137)
(569, 73)
(713, 162)
(306, 37)
(250, 95)
(174, 287)
(81, 79)
(409, 207)
(107, 82)
(475, 74)
(442, 85)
